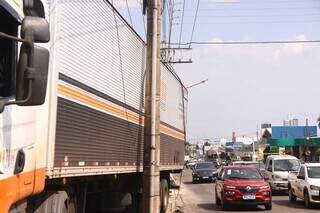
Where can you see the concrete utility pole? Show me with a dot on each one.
(253, 145)
(151, 159)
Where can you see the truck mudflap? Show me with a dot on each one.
(20, 187)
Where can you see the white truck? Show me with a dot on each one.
(277, 170)
(71, 109)
(305, 184)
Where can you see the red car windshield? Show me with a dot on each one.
(242, 173)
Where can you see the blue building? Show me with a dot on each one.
(293, 132)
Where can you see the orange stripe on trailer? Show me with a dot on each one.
(86, 99)
(110, 108)
(171, 132)
(19, 187)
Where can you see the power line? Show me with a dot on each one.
(184, 3)
(142, 16)
(170, 7)
(129, 12)
(258, 22)
(194, 23)
(253, 9)
(246, 42)
(256, 16)
(238, 1)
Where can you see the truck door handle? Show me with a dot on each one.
(20, 162)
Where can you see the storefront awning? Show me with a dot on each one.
(312, 142)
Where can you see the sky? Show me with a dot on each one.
(248, 84)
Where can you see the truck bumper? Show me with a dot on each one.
(279, 185)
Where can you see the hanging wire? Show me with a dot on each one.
(247, 42)
(143, 20)
(170, 12)
(181, 27)
(194, 22)
(129, 13)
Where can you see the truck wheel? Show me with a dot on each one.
(224, 206)
(58, 202)
(164, 195)
(292, 197)
(194, 181)
(218, 201)
(307, 200)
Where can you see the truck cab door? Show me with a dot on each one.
(18, 156)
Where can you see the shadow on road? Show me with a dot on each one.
(213, 207)
(280, 193)
(199, 182)
(208, 206)
(298, 205)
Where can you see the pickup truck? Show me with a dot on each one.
(305, 184)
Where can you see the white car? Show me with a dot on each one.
(305, 184)
(278, 168)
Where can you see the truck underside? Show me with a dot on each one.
(105, 193)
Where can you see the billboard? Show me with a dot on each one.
(293, 132)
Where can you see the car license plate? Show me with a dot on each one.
(249, 197)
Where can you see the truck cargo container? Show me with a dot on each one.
(71, 102)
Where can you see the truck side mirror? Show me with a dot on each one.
(33, 92)
(38, 27)
(32, 72)
(33, 8)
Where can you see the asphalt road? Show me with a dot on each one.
(199, 198)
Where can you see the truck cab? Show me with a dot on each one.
(277, 170)
(305, 184)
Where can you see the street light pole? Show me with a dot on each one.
(151, 155)
(196, 84)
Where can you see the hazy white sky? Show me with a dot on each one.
(248, 84)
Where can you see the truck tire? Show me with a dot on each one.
(292, 197)
(57, 202)
(224, 206)
(218, 201)
(164, 195)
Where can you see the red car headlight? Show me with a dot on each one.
(266, 193)
(229, 193)
(264, 187)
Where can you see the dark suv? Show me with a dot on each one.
(204, 171)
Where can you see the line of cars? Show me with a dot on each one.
(252, 183)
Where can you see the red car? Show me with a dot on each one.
(242, 185)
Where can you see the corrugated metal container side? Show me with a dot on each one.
(101, 66)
